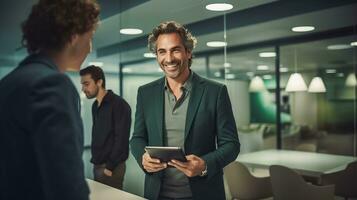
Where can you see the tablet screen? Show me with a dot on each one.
(165, 154)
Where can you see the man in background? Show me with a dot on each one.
(41, 132)
(111, 128)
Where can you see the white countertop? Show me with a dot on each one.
(99, 191)
(307, 163)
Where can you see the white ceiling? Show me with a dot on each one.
(311, 55)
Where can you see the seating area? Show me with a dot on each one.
(258, 136)
(284, 183)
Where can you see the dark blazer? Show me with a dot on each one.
(210, 133)
(41, 134)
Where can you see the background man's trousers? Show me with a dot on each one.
(117, 178)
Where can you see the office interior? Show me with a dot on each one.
(290, 88)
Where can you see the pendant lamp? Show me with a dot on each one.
(296, 82)
(256, 84)
(317, 85)
(351, 80)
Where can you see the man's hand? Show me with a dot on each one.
(152, 164)
(107, 172)
(193, 167)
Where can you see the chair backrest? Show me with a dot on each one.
(345, 181)
(243, 185)
(287, 184)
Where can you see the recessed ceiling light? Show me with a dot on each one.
(338, 47)
(127, 70)
(250, 74)
(217, 74)
(267, 54)
(149, 55)
(227, 64)
(303, 28)
(262, 67)
(219, 6)
(284, 69)
(267, 76)
(330, 71)
(99, 64)
(130, 31)
(340, 74)
(230, 76)
(354, 43)
(216, 44)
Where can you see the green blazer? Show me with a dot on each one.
(210, 133)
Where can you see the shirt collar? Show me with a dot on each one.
(187, 86)
(107, 97)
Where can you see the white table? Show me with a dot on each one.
(99, 191)
(306, 163)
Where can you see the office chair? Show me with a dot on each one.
(289, 185)
(345, 181)
(243, 185)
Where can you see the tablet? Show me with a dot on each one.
(166, 154)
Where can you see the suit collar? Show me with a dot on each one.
(195, 100)
(39, 58)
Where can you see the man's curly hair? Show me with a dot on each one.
(188, 40)
(52, 23)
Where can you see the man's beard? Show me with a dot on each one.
(94, 95)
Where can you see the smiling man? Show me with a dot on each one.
(187, 111)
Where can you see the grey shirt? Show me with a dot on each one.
(175, 183)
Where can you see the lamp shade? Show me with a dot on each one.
(317, 85)
(256, 84)
(351, 80)
(295, 83)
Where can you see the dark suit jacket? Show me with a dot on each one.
(41, 134)
(210, 133)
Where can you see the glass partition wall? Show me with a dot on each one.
(250, 80)
(324, 115)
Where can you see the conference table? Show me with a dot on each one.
(308, 164)
(99, 191)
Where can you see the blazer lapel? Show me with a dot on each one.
(159, 107)
(195, 99)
